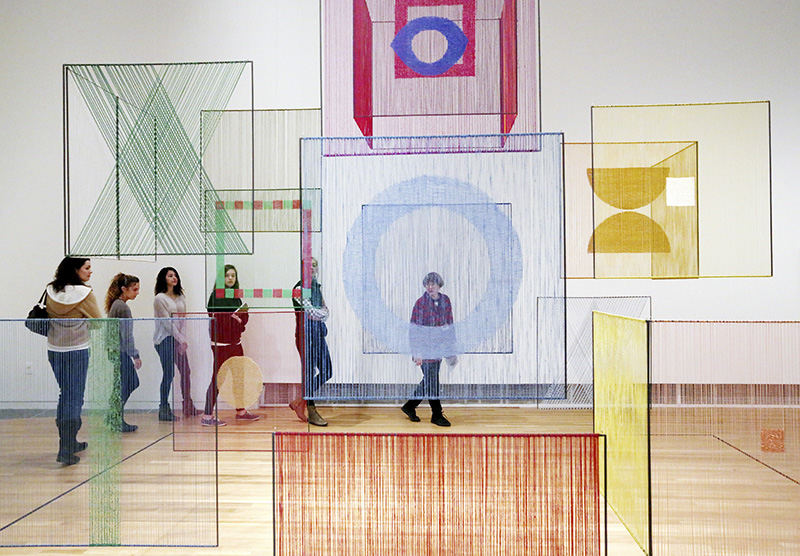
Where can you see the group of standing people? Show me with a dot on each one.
(69, 299)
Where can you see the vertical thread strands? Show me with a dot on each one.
(127, 489)
(621, 413)
(726, 437)
(116, 169)
(437, 494)
(274, 205)
(155, 185)
(485, 212)
(105, 419)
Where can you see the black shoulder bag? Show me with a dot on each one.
(37, 320)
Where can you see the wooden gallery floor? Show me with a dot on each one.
(38, 493)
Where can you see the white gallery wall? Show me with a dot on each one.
(592, 53)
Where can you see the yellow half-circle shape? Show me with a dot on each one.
(629, 232)
(628, 188)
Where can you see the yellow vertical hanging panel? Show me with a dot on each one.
(620, 349)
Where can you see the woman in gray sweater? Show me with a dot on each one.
(124, 287)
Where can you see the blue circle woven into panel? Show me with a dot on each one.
(456, 44)
(505, 264)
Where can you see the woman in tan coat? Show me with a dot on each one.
(69, 302)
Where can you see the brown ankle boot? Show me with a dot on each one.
(299, 407)
(315, 418)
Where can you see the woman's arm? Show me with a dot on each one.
(90, 308)
(127, 344)
(160, 309)
(416, 312)
(448, 311)
(120, 310)
(179, 326)
(315, 313)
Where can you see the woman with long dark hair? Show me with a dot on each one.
(230, 319)
(170, 341)
(69, 300)
(123, 288)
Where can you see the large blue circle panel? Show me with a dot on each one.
(505, 265)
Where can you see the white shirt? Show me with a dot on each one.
(165, 307)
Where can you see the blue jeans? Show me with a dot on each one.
(128, 379)
(170, 357)
(428, 387)
(70, 369)
(318, 366)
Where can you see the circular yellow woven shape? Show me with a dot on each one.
(240, 381)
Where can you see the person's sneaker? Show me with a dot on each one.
(411, 412)
(212, 422)
(440, 420)
(247, 416)
(127, 427)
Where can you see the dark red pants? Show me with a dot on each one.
(223, 353)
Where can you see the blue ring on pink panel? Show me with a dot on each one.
(456, 44)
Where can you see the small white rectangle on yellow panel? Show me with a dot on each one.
(681, 192)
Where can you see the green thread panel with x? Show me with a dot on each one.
(135, 181)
